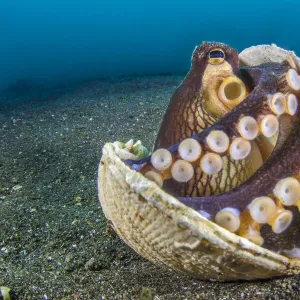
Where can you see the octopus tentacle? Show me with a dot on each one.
(263, 181)
(251, 105)
(262, 184)
(267, 82)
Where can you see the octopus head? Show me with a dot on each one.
(216, 54)
(222, 87)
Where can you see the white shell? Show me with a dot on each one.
(261, 54)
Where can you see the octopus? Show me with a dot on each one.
(227, 152)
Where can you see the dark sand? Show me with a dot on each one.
(52, 230)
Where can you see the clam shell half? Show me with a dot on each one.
(165, 231)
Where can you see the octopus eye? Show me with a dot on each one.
(216, 56)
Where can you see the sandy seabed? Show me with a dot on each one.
(53, 241)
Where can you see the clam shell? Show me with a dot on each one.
(165, 231)
(261, 54)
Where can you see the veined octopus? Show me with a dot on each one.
(219, 197)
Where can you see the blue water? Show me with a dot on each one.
(62, 41)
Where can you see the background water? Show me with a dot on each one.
(63, 41)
